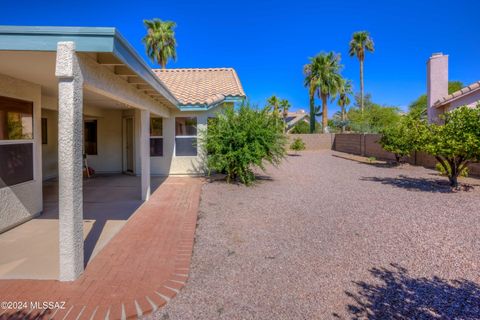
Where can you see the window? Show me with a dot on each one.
(156, 137)
(186, 136)
(16, 141)
(90, 136)
(44, 131)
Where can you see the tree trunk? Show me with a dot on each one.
(312, 111)
(361, 86)
(343, 119)
(324, 113)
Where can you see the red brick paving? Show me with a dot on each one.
(138, 271)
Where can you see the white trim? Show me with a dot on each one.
(5, 142)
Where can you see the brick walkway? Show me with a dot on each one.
(138, 271)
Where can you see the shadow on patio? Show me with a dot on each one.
(397, 295)
(31, 249)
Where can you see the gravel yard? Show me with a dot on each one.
(323, 237)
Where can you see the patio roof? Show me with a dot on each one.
(112, 48)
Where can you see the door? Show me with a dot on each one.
(129, 146)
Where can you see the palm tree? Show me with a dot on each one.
(285, 105)
(360, 43)
(160, 41)
(344, 93)
(323, 77)
(311, 73)
(274, 103)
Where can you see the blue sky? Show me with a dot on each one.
(268, 42)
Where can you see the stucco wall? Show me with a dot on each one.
(21, 202)
(109, 141)
(171, 164)
(50, 150)
(313, 141)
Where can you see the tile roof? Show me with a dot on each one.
(457, 94)
(201, 86)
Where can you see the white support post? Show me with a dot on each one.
(70, 148)
(145, 153)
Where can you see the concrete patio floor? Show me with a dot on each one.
(31, 250)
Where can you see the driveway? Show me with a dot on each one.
(324, 237)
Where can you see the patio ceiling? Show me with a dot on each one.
(34, 48)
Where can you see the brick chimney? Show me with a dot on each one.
(437, 83)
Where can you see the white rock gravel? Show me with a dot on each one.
(333, 238)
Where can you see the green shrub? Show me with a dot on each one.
(240, 140)
(401, 138)
(455, 143)
(448, 172)
(297, 145)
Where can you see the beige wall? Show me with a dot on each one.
(21, 202)
(50, 150)
(171, 164)
(109, 141)
(322, 141)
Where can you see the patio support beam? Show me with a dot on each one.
(145, 153)
(70, 148)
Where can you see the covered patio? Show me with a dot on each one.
(31, 250)
(73, 92)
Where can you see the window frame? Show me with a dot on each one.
(30, 141)
(187, 136)
(156, 137)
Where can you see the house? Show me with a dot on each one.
(72, 92)
(293, 118)
(438, 99)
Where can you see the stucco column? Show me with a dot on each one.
(70, 148)
(145, 153)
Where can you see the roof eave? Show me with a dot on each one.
(206, 107)
(443, 103)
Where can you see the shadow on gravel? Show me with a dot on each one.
(396, 295)
(413, 184)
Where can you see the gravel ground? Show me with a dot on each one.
(323, 237)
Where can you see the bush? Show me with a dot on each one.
(242, 139)
(297, 145)
(455, 143)
(303, 127)
(401, 138)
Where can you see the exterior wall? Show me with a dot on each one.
(109, 141)
(181, 165)
(23, 201)
(50, 150)
(314, 141)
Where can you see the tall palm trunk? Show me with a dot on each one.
(324, 113)
(343, 119)
(361, 85)
(312, 109)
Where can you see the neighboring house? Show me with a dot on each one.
(438, 99)
(65, 91)
(293, 118)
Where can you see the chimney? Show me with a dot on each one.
(437, 83)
